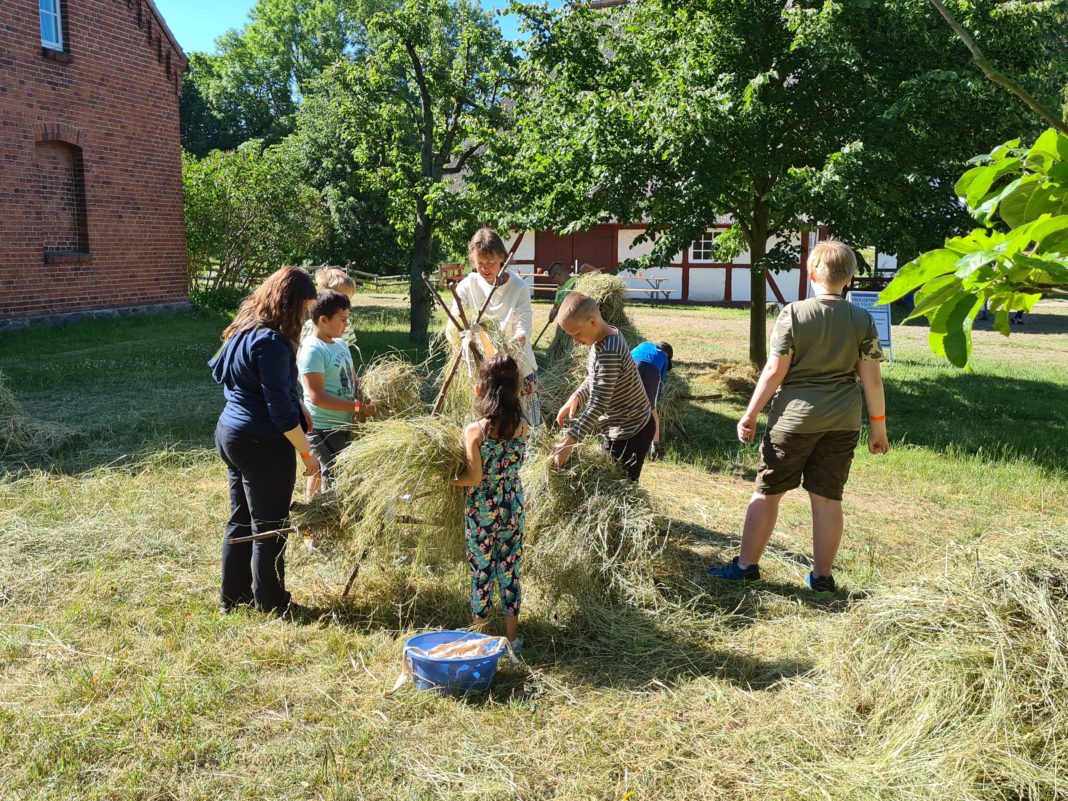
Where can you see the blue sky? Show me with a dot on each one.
(197, 23)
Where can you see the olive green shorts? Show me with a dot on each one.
(819, 462)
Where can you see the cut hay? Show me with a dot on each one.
(610, 292)
(737, 378)
(955, 682)
(393, 491)
(459, 404)
(394, 387)
(321, 516)
(22, 434)
(590, 533)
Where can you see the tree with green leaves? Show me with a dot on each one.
(853, 114)
(251, 87)
(413, 111)
(247, 213)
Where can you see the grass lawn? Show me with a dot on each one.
(118, 679)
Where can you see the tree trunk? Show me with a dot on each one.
(758, 288)
(422, 252)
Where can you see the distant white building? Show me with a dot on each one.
(693, 276)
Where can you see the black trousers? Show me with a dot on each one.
(630, 453)
(262, 475)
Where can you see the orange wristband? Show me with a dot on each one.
(876, 419)
(304, 455)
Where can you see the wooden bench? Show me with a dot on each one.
(652, 293)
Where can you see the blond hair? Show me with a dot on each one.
(334, 278)
(487, 242)
(577, 306)
(832, 261)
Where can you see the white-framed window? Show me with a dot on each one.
(703, 249)
(51, 24)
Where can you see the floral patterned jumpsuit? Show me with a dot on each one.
(493, 525)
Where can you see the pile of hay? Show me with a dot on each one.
(610, 292)
(737, 378)
(394, 386)
(590, 533)
(955, 682)
(21, 434)
(393, 493)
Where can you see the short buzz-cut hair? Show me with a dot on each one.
(577, 306)
(832, 260)
(328, 303)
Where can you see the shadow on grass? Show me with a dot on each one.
(998, 418)
(591, 644)
(138, 385)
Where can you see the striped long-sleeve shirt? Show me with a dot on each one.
(613, 397)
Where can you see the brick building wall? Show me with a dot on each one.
(90, 160)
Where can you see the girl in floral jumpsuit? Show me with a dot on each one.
(493, 522)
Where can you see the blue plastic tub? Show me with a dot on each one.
(450, 676)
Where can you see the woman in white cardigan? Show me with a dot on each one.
(510, 306)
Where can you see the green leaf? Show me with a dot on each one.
(958, 343)
(1013, 207)
(981, 184)
(1049, 148)
(1001, 322)
(1052, 234)
(933, 294)
(918, 272)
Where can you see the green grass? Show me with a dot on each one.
(118, 680)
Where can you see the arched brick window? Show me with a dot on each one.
(64, 228)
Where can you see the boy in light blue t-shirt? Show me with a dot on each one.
(331, 392)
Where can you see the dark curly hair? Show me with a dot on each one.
(498, 378)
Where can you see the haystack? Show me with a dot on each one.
(610, 292)
(590, 533)
(393, 492)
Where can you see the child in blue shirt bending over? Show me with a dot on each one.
(654, 361)
(495, 445)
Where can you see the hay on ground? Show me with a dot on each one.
(737, 378)
(590, 533)
(22, 434)
(956, 681)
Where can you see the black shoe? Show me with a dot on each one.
(821, 585)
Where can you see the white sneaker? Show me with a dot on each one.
(517, 645)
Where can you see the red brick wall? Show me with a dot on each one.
(111, 103)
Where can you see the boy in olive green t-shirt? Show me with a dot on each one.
(819, 347)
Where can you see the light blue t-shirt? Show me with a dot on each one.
(334, 361)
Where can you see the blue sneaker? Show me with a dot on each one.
(821, 585)
(735, 572)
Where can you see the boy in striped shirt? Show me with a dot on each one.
(612, 399)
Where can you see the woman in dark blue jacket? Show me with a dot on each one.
(262, 424)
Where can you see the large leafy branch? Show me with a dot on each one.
(1020, 196)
